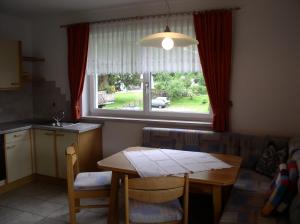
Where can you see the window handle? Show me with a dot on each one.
(147, 87)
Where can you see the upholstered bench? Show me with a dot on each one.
(248, 195)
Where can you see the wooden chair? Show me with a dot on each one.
(155, 200)
(84, 185)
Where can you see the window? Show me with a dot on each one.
(179, 93)
(127, 79)
(120, 92)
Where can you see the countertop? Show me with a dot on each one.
(23, 125)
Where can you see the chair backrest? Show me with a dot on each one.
(156, 190)
(72, 166)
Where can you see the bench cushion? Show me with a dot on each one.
(249, 180)
(244, 207)
(247, 199)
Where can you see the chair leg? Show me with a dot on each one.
(72, 213)
(77, 204)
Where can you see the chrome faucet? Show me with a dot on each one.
(58, 118)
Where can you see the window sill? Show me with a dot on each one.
(202, 124)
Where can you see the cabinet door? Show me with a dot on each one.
(10, 64)
(18, 159)
(63, 140)
(45, 152)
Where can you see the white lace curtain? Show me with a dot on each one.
(114, 47)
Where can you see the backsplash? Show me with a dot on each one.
(16, 104)
(34, 100)
(48, 99)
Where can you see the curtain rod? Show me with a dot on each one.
(149, 16)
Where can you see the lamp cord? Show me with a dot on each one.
(168, 15)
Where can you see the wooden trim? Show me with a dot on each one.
(55, 155)
(113, 215)
(126, 199)
(89, 141)
(92, 194)
(5, 156)
(93, 206)
(200, 188)
(186, 199)
(77, 153)
(48, 179)
(217, 202)
(31, 150)
(34, 150)
(16, 184)
(156, 183)
(20, 63)
(149, 190)
(156, 196)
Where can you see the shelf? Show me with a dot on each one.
(33, 59)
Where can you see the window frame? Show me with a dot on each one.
(146, 112)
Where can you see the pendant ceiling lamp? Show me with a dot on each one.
(167, 39)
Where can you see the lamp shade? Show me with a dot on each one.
(155, 40)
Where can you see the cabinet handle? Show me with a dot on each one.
(15, 83)
(10, 147)
(60, 135)
(16, 136)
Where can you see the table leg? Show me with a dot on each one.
(113, 214)
(217, 202)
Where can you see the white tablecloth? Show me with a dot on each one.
(164, 162)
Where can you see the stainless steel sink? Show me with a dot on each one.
(53, 124)
(62, 124)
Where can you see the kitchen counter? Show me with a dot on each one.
(74, 128)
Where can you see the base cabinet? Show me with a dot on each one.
(38, 151)
(45, 152)
(63, 140)
(50, 148)
(18, 155)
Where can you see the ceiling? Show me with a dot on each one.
(39, 7)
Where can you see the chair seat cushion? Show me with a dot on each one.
(92, 181)
(141, 212)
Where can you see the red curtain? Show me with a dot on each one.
(214, 33)
(78, 39)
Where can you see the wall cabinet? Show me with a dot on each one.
(10, 64)
(18, 155)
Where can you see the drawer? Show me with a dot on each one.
(17, 136)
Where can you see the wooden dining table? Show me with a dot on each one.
(210, 182)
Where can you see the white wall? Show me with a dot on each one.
(17, 104)
(15, 28)
(265, 72)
